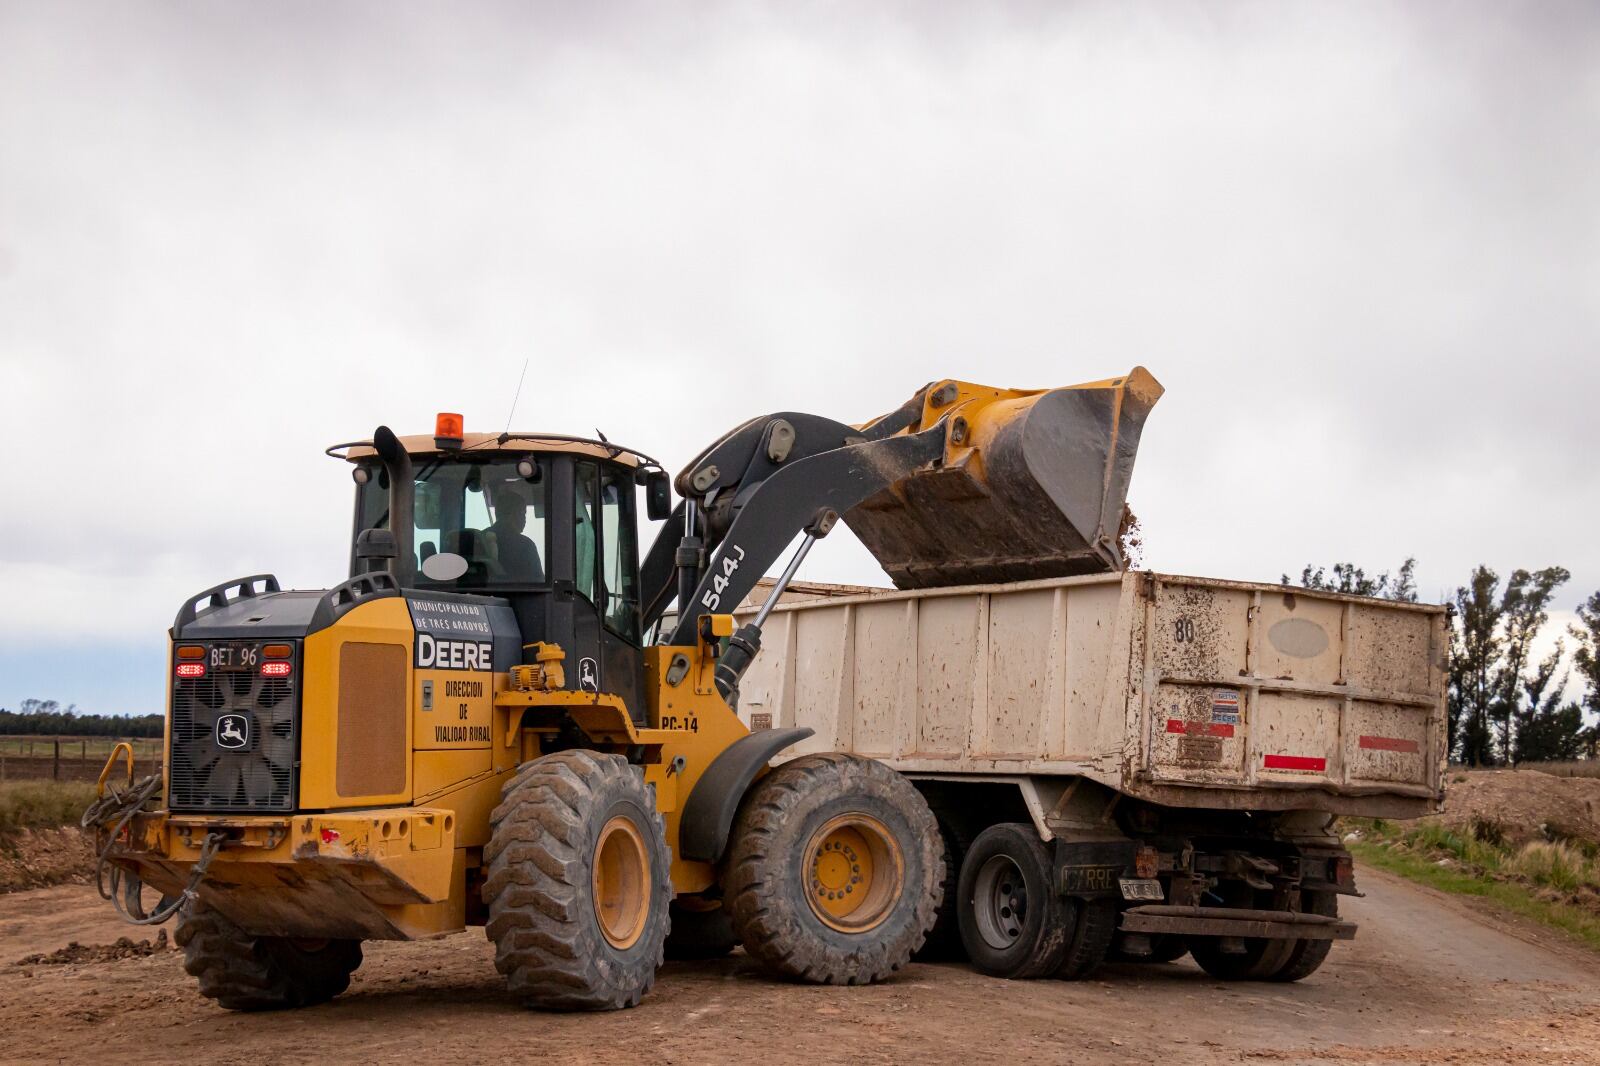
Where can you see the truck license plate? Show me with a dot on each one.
(1141, 888)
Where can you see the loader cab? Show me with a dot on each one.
(554, 533)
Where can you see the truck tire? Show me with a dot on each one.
(244, 972)
(1013, 922)
(1164, 947)
(944, 939)
(834, 870)
(699, 934)
(1260, 958)
(578, 883)
(1308, 955)
(1095, 924)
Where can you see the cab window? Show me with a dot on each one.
(587, 531)
(619, 574)
(477, 524)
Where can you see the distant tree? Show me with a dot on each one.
(1350, 579)
(1489, 659)
(1547, 729)
(46, 718)
(1586, 660)
(1474, 650)
(1525, 605)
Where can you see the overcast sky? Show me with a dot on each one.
(1359, 244)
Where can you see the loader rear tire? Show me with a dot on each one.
(834, 872)
(248, 973)
(578, 883)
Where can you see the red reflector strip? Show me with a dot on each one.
(1389, 744)
(1209, 729)
(276, 669)
(191, 670)
(1295, 762)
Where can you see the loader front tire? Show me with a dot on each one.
(248, 973)
(578, 883)
(835, 870)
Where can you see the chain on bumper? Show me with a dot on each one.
(109, 816)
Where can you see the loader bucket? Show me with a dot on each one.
(1033, 485)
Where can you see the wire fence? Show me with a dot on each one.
(33, 758)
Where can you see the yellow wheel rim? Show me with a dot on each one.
(621, 882)
(854, 873)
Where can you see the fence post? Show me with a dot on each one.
(55, 766)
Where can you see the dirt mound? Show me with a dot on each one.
(1512, 807)
(35, 858)
(124, 948)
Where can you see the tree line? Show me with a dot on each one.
(49, 718)
(1505, 706)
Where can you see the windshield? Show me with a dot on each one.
(478, 523)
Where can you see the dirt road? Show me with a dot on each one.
(1427, 980)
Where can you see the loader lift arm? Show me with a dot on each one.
(961, 484)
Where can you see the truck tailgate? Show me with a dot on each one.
(1275, 687)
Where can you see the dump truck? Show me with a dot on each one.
(472, 729)
(1129, 765)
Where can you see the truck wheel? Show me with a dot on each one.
(833, 875)
(244, 972)
(944, 940)
(578, 883)
(1093, 929)
(1259, 959)
(698, 933)
(1164, 947)
(1310, 954)
(1013, 922)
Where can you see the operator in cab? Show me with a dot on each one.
(519, 558)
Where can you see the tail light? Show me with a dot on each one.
(190, 670)
(276, 669)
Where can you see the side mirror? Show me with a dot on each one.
(658, 495)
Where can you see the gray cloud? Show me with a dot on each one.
(1360, 244)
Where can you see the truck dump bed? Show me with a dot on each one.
(1183, 691)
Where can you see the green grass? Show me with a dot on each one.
(1480, 864)
(42, 804)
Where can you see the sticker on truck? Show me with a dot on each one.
(1225, 706)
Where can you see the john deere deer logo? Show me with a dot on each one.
(588, 675)
(233, 731)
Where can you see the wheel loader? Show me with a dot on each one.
(507, 716)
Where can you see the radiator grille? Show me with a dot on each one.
(259, 776)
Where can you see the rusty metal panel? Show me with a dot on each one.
(1392, 651)
(947, 674)
(823, 678)
(881, 686)
(1026, 687)
(1301, 638)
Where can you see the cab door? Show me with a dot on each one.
(606, 576)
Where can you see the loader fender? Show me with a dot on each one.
(708, 815)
